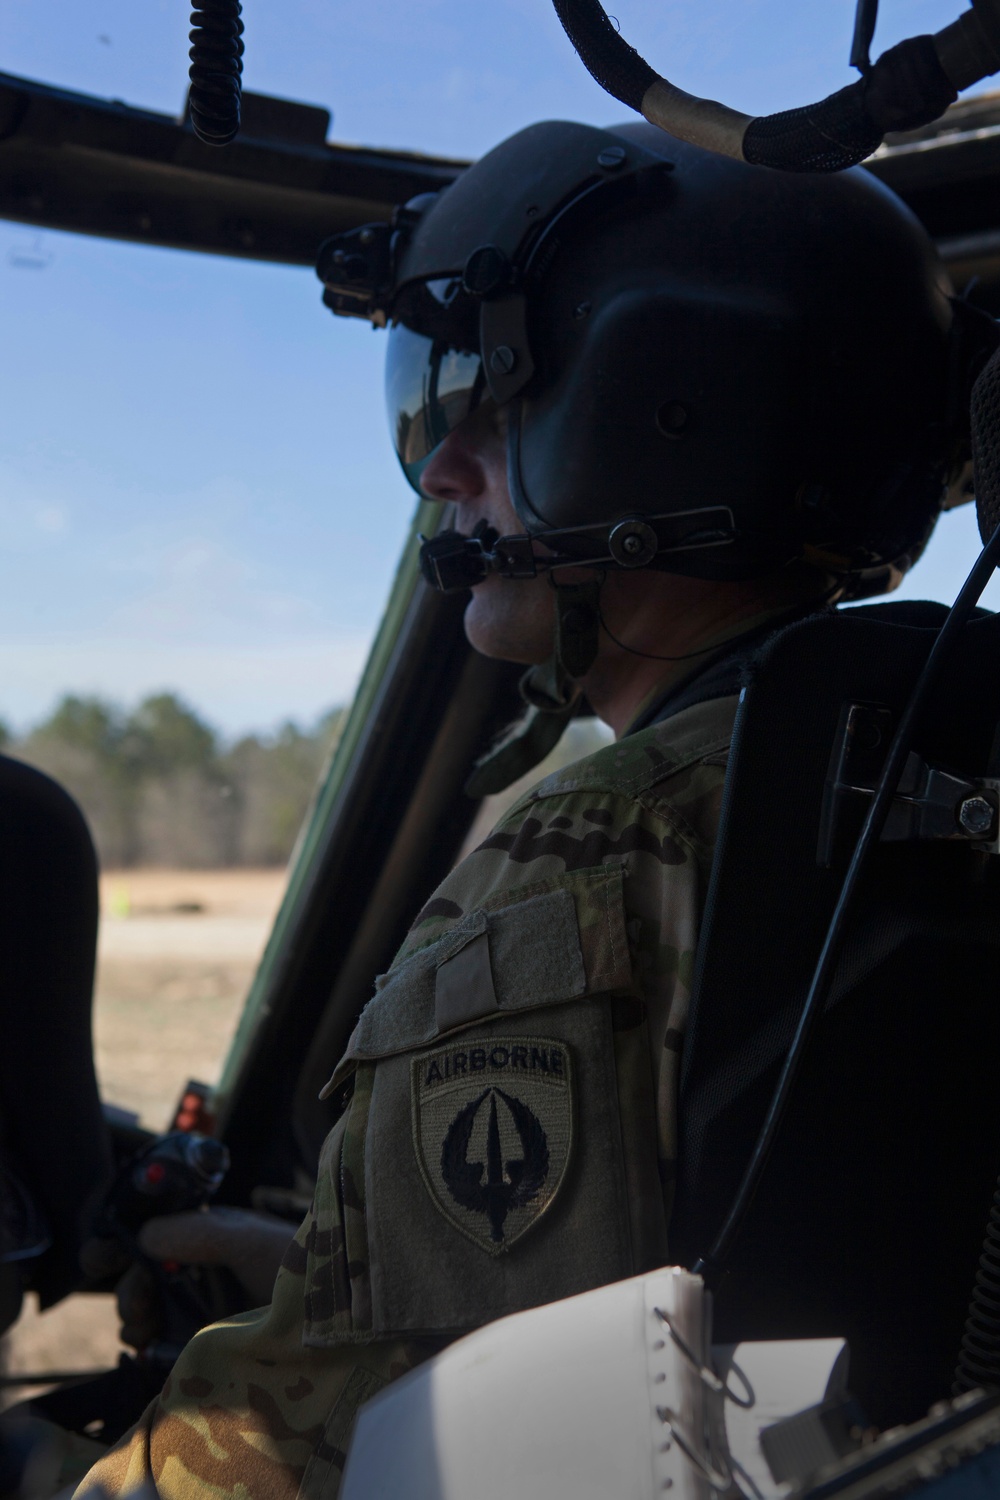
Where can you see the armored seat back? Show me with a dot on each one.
(871, 1215)
(55, 1148)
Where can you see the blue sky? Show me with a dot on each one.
(228, 528)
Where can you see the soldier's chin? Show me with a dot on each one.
(503, 625)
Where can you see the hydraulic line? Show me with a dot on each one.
(909, 86)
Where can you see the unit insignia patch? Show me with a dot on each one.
(493, 1129)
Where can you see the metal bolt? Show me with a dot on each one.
(632, 543)
(486, 271)
(367, 237)
(582, 310)
(976, 816)
(611, 158)
(672, 418)
(502, 360)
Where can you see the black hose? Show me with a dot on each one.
(979, 1358)
(605, 54)
(216, 70)
(985, 410)
(907, 87)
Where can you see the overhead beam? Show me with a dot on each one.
(949, 175)
(95, 166)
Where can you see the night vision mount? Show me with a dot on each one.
(356, 268)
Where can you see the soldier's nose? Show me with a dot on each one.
(454, 473)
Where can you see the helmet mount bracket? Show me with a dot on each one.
(506, 352)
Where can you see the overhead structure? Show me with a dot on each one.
(97, 166)
(94, 166)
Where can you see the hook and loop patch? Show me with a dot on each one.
(493, 1126)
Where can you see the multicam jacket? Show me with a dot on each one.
(510, 1134)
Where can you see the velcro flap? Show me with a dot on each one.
(542, 945)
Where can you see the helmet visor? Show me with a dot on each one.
(433, 381)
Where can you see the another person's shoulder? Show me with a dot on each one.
(650, 801)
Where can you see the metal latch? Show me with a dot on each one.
(930, 803)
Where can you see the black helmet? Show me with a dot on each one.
(708, 366)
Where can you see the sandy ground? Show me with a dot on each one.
(177, 951)
(176, 954)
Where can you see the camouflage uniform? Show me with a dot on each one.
(510, 1134)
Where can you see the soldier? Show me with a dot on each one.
(714, 398)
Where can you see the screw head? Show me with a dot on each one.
(672, 418)
(502, 360)
(611, 158)
(976, 816)
(633, 543)
(367, 237)
(486, 270)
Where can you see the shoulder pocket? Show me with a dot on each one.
(492, 1152)
(540, 945)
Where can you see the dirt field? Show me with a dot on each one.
(176, 954)
(177, 950)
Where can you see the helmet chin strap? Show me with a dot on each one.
(551, 691)
(552, 698)
(578, 623)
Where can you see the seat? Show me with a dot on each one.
(871, 1214)
(54, 1142)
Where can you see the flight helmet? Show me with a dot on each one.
(706, 367)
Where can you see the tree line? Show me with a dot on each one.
(159, 787)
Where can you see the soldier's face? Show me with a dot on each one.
(513, 619)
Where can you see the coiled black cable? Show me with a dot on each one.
(216, 70)
(979, 1357)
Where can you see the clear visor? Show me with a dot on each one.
(432, 383)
